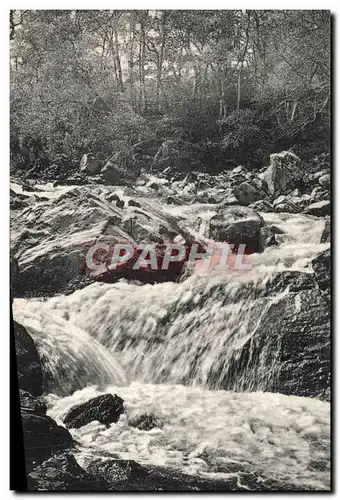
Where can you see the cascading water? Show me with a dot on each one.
(177, 342)
(189, 332)
(70, 358)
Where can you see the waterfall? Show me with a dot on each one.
(203, 331)
(70, 358)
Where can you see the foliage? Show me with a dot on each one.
(237, 84)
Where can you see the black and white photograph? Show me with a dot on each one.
(170, 240)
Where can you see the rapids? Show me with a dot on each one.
(166, 349)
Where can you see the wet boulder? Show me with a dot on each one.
(28, 362)
(322, 267)
(296, 330)
(63, 473)
(115, 171)
(237, 225)
(42, 437)
(117, 471)
(106, 409)
(145, 421)
(31, 404)
(179, 155)
(326, 233)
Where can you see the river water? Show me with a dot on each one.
(165, 349)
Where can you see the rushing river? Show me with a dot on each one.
(166, 349)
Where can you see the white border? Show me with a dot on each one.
(4, 180)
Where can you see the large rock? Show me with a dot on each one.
(145, 422)
(63, 473)
(326, 233)
(177, 154)
(285, 204)
(117, 172)
(295, 334)
(127, 475)
(51, 240)
(106, 409)
(283, 173)
(262, 206)
(319, 209)
(248, 192)
(28, 362)
(42, 437)
(237, 225)
(31, 404)
(322, 268)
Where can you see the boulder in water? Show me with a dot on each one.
(63, 473)
(283, 173)
(42, 437)
(106, 409)
(117, 471)
(326, 233)
(28, 362)
(322, 268)
(145, 422)
(29, 403)
(237, 225)
(318, 194)
(285, 204)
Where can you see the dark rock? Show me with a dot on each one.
(237, 225)
(29, 403)
(297, 329)
(178, 155)
(262, 206)
(267, 238)
(17, 201)
(133, 203)
(42, 437)
(63, 473)
(318, 194)
(248, 192)
(322, 268)
(319, 209)
(127, 475)
(28, 362)
(326, 233)
(145, 422)
(285, 204)
(106, 409)
(115, 173)
(117, 471)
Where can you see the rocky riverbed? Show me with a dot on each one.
(204, 381)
